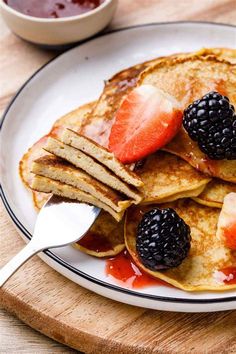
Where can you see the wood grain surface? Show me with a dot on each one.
(62, 310)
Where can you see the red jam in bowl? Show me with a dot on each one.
(53, 8)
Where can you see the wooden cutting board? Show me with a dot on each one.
(62, 310)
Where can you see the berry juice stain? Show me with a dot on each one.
(53, 8)
(230, 275)
(95, 242)
(126, 273)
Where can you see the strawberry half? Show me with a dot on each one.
(226, 227)
(147, 119)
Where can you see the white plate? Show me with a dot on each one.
(74, 78)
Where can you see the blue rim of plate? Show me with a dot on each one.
(57, 259)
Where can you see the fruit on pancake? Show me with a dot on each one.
(211, 121)
(187, 79)
(227, 221)
(207, 254)
(163, 239)
(147, 119)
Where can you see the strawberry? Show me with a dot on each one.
(226, 227)
(147, 119)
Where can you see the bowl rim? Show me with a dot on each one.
(90, 13)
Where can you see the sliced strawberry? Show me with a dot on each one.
(147, 119)
(227, 221)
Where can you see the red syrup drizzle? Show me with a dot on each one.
(95, 242)
(230, 236)
(230, 273)
(123, 269)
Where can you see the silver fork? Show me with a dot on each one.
(59, 223)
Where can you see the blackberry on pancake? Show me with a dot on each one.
(211, 121)
(163, 239)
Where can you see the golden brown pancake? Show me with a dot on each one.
(97, 125)
(166, 177)
(102, 155)
(214, 193)
(48, 185)
(72, 119)
(208, 254)
(188, 79)
(90, 166)
(58, 169)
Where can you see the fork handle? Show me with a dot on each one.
(16, 262)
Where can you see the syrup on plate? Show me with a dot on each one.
(125, 272)
(96, 243)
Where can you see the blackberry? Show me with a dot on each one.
(163, 239)
(211, 121)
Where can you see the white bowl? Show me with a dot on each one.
(60, 31)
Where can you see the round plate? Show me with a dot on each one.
(74, 78)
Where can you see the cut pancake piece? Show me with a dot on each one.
(104, 239)
(214, 193)
(62, 171)
(102, 155)
(188, 79)
(47, 185)
(167, 177)
(72, 119)
(89, 165)
(39, 199)
(207, 255)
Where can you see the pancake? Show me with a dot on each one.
(98, 123)
(48, 185)
(208, 254)
(72, 119)
(104, 239)
(192, 180)
(167, 177)
(90, 166)
(222, 53)
(214, 193)
(39, 199)
(59, 170)
(102, 155)
(188, 79)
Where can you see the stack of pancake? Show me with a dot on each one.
(81, 169)
(67, 163)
